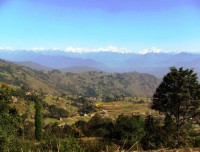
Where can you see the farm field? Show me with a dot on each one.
(114, 108)
(125, 107)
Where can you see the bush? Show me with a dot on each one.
(153, 138)
(72, 131)
(18, 93)
(87, 106)
(82, 125)
(195, 141)
(97, 145)
(99, 126)
(55, 112)
(71, 144)
(129, 127)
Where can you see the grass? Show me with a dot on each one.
(50, 120)
(72, 120)
(124, 107)
(62, 103)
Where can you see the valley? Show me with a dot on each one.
(99, 76)
(84, 107)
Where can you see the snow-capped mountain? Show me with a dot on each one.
(151, 61)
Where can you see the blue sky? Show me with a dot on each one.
(170, 25)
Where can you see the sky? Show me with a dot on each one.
(130, 25)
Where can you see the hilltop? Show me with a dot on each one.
(94, 84)
(16, 75)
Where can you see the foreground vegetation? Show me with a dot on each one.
(39, 122)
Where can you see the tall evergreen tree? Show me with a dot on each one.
(178, 96)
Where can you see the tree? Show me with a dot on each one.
(38, 119)
(9, 120)
(99, 126)
(129, 127)
(178, 96)
(169, 129)
(5, 99)
(153, 137)
(87, 106)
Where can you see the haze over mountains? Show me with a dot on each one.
(153, 63)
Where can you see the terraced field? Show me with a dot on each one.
(125, 107)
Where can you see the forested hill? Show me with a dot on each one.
(103, 84)
(94, 84)
(21, 76)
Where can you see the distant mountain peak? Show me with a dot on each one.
(184, 53)
(71, 49)
(150, 50)
(109, 48)
(6, 48)
(84, 50)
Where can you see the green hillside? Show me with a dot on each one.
(91, 84)
(20, 76)
(99, 84)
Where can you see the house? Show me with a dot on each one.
(14, 99)
(103, 113)
(28, 93)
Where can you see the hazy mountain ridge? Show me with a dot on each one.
(95, 84)
(73, 69)
(54, 61)
(79, 69)
(33, 65)
(153, 63)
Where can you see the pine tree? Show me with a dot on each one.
(178, 96)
